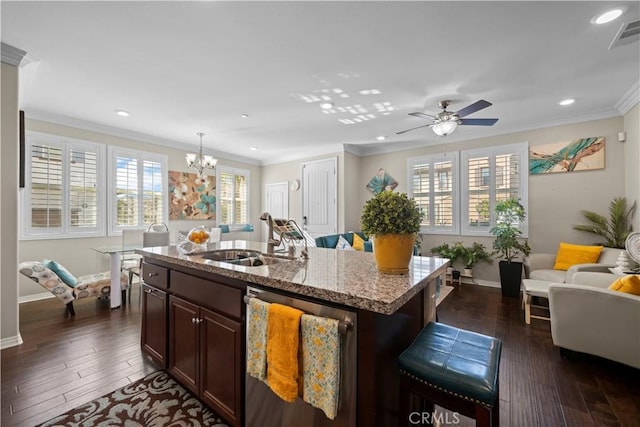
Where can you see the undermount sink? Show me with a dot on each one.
(247, 258)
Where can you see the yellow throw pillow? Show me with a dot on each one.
(628, 284)
(358, 243)
(569, 255)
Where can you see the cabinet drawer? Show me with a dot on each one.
(209, 294)
(154, 275)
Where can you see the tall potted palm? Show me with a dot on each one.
(510, 214)
(392, 220)
(616, 228)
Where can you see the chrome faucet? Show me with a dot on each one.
(288, 231)
(271, 242)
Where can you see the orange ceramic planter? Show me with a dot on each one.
(393, 252)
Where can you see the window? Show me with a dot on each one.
(490, 175)
(434, 186)
(63, 194)
(233, 196)
(138, 189)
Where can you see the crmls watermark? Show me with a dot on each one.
(423, 418)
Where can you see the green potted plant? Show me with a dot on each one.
(615, 229)
(474, 254)
(392, 220)
(452, 252)
(510, 214)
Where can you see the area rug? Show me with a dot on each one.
(154, 401)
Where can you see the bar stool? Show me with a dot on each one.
(453, 368)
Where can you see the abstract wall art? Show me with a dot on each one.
(569, 156)
(381, 181)
(191, 197)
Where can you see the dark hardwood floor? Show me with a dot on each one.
(537, 386)
(65, 362)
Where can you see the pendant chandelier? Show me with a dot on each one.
(201, 162)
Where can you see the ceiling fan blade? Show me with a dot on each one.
(476, 106)
(419, 114)
(478, 122)
(408, 130)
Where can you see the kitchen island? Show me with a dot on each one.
(201, 300)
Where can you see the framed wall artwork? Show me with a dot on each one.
(569, 156)
(191, 197)
(381, 181)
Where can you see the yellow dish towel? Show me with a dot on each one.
(257, 338)
(282, 351)
(321, 363)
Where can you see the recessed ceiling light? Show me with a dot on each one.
(122, 113)
(609, 15)
(253, 148)
(381, 138)
(244, 116)
(326, 105)
(567, 101)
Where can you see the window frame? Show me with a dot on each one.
(434, 186)
(521, 149)
(65, 231)
(233, 171)
(140, 156)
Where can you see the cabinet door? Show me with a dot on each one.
(222, 365)
(154, 324)
(184, 342)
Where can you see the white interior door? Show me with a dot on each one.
(319, 194)
(278, 200)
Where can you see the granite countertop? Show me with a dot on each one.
(343, 277)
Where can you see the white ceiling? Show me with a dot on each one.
(183, 67)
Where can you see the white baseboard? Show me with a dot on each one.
(489, 283)
(35, 297)
(10, 342)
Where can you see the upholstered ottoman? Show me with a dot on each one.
(453, 368)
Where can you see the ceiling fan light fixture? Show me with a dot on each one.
(444, 128)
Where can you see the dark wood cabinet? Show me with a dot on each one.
(184, 343)
(205, 355)
(154, 324)
(221, 364)
(193, 326)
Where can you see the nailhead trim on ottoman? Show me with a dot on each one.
(453, 368)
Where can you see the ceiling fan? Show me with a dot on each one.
(445, 122)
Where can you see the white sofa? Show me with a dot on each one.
(589, 318)
(539, 266)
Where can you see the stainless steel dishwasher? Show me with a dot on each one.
(264, 409)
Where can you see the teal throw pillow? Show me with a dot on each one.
(62, 272)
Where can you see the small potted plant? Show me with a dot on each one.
(510, 214)
(474, 254)
(392, 220)
(452, 252)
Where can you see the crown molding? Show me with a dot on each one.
(128, 134)
(410, 145)
(11, 55)
(630, 99)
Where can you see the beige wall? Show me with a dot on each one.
(352, 185)
(76, 254)
(632, 160)
(289, 171)
(9, 160)
(555, 200)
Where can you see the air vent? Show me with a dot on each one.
(628, 33)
